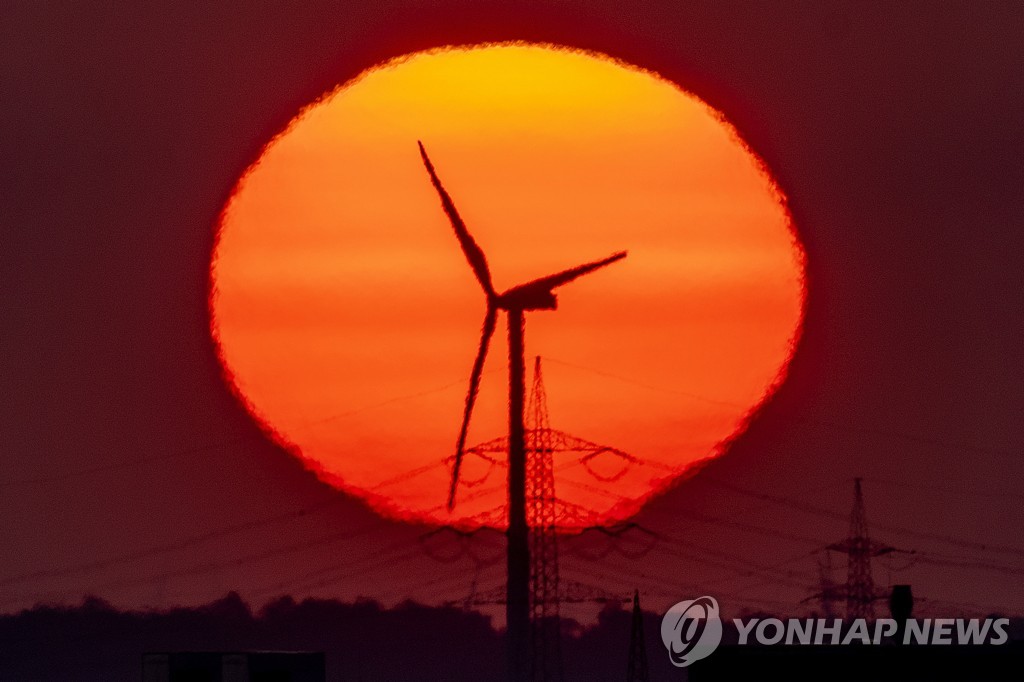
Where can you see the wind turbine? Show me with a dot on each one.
(537, 294)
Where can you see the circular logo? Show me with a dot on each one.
(691, 630)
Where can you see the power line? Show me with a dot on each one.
(828, 513)
(739, 525)
(199, 569)
(889, 433)
(169, 547)
(256, 436)
(967, 492)
(657, 585)
(114, 466)
(448, 580)
(398, 399)
(721, 559)
(338, 571)
(925, 557)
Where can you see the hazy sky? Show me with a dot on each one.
(129, 470)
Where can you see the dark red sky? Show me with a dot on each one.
(128, 469)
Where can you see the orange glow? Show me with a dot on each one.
(348, 318)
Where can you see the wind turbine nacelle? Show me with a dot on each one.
(529, 299)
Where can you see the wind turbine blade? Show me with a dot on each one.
(474, 385)
(474, 254)
(559, 278)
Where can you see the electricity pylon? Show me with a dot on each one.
(545, 619)
(860, 587)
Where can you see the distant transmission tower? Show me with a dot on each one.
(638, 670)
(860, 587)
(545, 620)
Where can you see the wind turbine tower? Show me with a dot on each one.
(537, 294)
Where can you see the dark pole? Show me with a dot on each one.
(517, 608)
(901, 606)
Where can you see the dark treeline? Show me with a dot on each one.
(362, 640)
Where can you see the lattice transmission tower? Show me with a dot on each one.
(860, 586)
(544, 512)
(545, 619)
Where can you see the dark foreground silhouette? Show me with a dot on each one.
(362, 641)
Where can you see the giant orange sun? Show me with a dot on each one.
(347, 317)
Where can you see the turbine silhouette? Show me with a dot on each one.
(538, 294)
